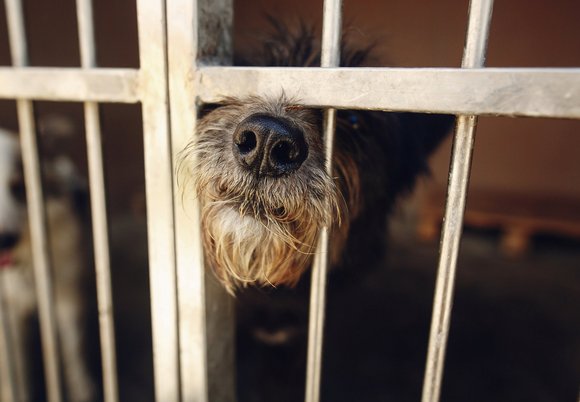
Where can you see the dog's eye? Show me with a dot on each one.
(17, 188)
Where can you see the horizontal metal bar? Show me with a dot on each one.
(70, 84)
(553, 92)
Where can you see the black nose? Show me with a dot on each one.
(269, 146)
(8, 240)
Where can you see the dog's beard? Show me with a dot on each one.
(268, 237)
(243, 250)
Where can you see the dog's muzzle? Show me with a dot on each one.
(269, 146)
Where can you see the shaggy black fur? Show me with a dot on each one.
(390, 150)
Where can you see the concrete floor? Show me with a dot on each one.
(515, 332)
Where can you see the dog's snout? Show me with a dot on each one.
(8, 240)
(269, 146)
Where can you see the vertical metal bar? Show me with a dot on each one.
(98, 210)
(9, 391)
(40, 250)
(480, 12)
(330, 57)
(206, 327)
(159, 193)
(36, 213)
(331, 33)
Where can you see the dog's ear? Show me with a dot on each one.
(426, 131)
(418, 136)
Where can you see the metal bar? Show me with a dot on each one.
(9, 391)
(533, 92)
(330, 57)
(98, 210)
(40, 250)
(36, 212)
(331, 32)
(206, 325)
(86, 33)
(189, 258)
(474, 56)
(16, 33)
(152, 26)
(70, 84)
(553, 92)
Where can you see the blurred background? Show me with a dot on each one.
(516, 328)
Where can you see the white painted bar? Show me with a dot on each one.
(189, 257)
(330, 57)
(10, 388)
(533, 92)
(98, 210)
(549, 92)
(70, 84)
(159, 193)
(36, 212)
(331, 33)
(474, 56)
(40, 249)
(206, 327)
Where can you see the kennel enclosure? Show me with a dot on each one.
(185, 50)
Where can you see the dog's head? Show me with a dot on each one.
(258, 166)
(62, 188)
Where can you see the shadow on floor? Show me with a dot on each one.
(515, 332)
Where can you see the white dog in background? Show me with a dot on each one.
(17, 288)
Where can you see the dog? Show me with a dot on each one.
(63, 189)
(258, 166)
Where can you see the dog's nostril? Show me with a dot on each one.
(246, 142)
(285, 152)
